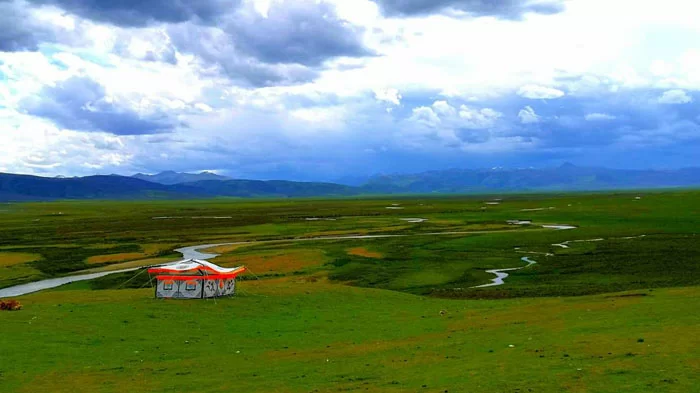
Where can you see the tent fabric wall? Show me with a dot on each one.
(210, 287)
(169, 288)
(194, 279)
(228, 288)
(179, 289)
(216, 287)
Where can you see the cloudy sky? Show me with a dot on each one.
(327, 89)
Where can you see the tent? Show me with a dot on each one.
(194, 279)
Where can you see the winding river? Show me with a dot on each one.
(193, 252)
(36, 286)
(501, 275)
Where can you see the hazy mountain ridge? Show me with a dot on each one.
(172, 177)
(25, 187)
(34, 188)
(272, 188)
(564, 178)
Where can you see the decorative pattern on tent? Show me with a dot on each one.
(195, 279)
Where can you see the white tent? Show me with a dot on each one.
(194, 279)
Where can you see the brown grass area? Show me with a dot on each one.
(289, 261)
(148, 251)
(226, 249)
(90, 381)
(102, 246)
(288, 286)
(363, 252)
(156, 248)
(349, 232)
(444, 222)
(16, 258)
(360, 232)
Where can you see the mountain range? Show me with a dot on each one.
(172, 177)
(567, 177)
(173, 185)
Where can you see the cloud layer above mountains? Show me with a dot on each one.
(327, 89)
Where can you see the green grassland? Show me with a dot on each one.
(615, 311)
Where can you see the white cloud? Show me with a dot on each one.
(446, 116)
(203, 107)
(30, 145)
(676, 96)
(661, 68)
(536, 92)
(389, 95)
(426, 116)
(417, 59)
(599, 117)
(332, 117)
(478, 118)
(444, 109)
(527, 115)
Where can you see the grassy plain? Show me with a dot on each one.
(613, 311)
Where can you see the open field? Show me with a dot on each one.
(610, 306)
(299, 336)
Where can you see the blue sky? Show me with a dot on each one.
(327, 89)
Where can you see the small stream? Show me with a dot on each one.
(501, 275)
(192, 252)
(19, 290)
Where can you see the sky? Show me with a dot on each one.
(340, 89)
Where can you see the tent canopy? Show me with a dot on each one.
(195, 266)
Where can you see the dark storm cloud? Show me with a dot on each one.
(630, 117)
(219, 54)
(80, 103)
(18, 31)
(131, 13)
(503, 9)
(288, 46)
(296, 32)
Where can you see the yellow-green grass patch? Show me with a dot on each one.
(15, 258)
(131, 264)
(148, 251)
(277, 262)
(14, 267)
(225, 249)
(363, 252)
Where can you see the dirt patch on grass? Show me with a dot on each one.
(15, 258)
(363, 252)
(628, 295)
